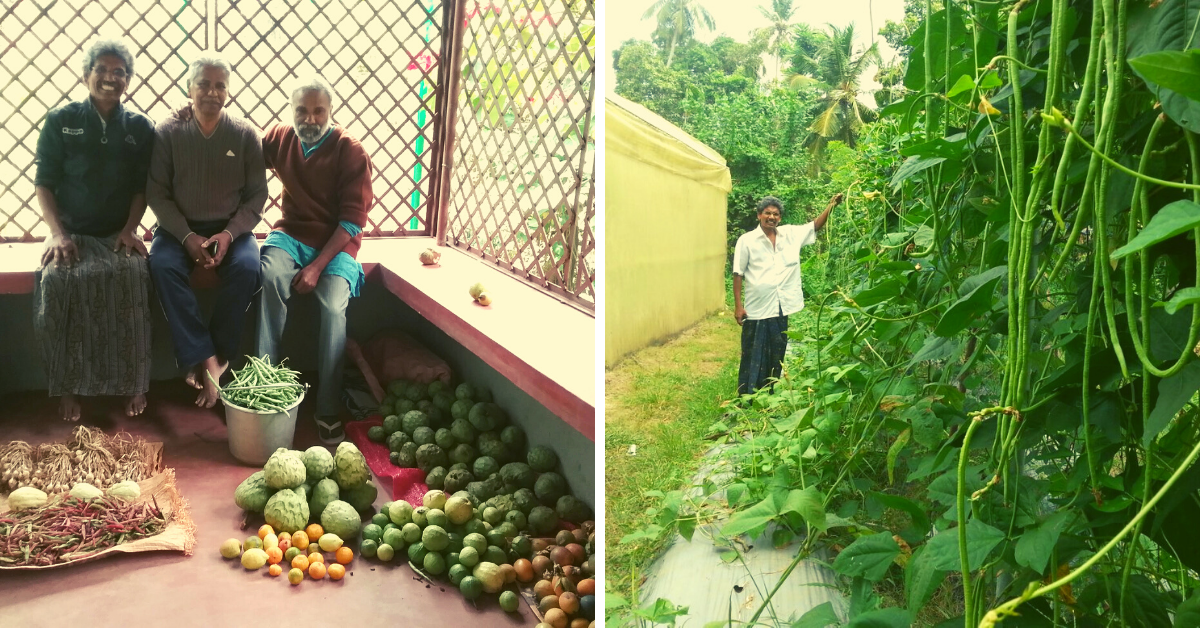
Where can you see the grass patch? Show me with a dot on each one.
(661, 399)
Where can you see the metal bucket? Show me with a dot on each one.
(254, 436)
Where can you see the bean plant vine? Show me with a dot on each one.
(996, 412)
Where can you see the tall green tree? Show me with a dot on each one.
(806, 47)
(677, 21)
(840, 69)
(779, 33)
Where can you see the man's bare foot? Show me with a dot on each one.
(192, 380)
(196, 377)
(68, 408)
(210, 393)
(135, 405)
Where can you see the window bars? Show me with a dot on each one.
(521, 192)
(513, 184)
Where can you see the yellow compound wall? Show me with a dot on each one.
(664, 223)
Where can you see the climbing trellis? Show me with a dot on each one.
(522, 192)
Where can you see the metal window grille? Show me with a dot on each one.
(40, 67)
(380, 56)
(505, 169)
(521, 193)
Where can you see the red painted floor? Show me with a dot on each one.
(169, 589)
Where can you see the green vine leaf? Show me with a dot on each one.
(808, 503)
(1173, 394)
(891, 617)
(1182, 299)
(966, 309)
(1175, 218)
(981, 540)
(755, 517)
(1176, 70)
(1187, 614)
(1036, 545)
(868, 556)
(921, 580)
(914, 510)
(821, 616)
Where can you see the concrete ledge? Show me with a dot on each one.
(545, 347)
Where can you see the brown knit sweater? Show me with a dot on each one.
(331, 185)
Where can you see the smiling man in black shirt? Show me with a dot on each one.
(91, 306)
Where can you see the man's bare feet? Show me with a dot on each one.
(196, 377)
(68, 408)
(135, 405)
(210, 393)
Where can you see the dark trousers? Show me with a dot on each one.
(170, 269)
(764, 343)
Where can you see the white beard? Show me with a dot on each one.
(309, 133)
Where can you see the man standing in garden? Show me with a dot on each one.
(767, 260)
(326, 177)
(207, 187)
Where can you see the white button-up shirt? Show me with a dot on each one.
(771, 273)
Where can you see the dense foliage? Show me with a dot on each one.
(996, 413)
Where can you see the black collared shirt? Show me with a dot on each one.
(93, 166)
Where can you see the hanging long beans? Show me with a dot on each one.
(264, 387)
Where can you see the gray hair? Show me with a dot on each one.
(107, 47)
(313, 83)
(208, 61)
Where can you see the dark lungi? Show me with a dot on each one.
(92, 321)
(764, 342)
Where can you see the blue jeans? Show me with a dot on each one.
(170, 269)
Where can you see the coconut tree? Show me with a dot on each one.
(779, 32)
(677, 20)
(839, 69)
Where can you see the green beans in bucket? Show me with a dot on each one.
(263, 387)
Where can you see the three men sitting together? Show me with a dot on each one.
(202, 172)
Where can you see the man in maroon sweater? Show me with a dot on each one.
(326, 178)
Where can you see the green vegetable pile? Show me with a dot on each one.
(263, 387)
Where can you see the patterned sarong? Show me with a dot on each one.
(92, 321)
(763, 345)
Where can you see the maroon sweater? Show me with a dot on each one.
(331, 185)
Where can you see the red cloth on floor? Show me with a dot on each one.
(406, 484)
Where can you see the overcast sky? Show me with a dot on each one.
(623, 21)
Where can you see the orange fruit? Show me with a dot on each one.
(295, 576)
(524, 569)
(336, 571)
(300, 540)
(313, 531)
(265, 530)
(344, 555)
(274, 555)
(316, 557)
(275, 570)
(300, 562)
(316, 571)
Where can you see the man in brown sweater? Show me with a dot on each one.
(326, 177)
(207, 187)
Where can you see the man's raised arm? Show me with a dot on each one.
(819, 223)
